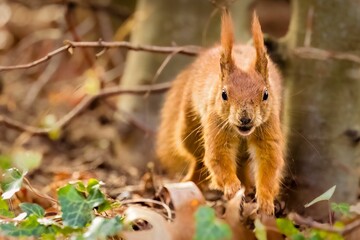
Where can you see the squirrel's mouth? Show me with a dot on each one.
(245, 130)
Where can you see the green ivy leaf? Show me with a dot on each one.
(11, 182)
(260, 230)
(80, 186)
(208, 227)
(102, 228)
(286, 227)
(64, 230)
(323, 197)
(4, 209)
(93, 183)
(104, 206)
(96, 197)
(76, 210)
(27, 228)
(342, 208)
(32, 209)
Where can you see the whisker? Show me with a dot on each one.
(307, 140)
(193, 131)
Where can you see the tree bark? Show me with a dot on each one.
(322, 104)
(163, 22)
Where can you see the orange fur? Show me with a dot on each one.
(213, 137)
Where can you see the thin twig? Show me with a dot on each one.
(85, 102)
(185, 50)
(325, 227)
(351, 227)
(321, 54)
(162, 67)
(189, 50)
(130, 119)
(39, 194)
(309, 27)
(312, 223)
(38, 61)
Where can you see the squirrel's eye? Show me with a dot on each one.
(224, 95)
(266, 95)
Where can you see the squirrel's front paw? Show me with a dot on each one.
(231, 189)
(265, 206)
(229, 186)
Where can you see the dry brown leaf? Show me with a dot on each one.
(182, 194)
(185, 199)
(159, 230)
(237, 214)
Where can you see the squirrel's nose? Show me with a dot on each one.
(245, 120)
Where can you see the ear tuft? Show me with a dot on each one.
(227, 41)
(261, 62)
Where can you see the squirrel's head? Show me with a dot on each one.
(245, 97)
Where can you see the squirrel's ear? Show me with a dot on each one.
(261, 62)
(227, 41)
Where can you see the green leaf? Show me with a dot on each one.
(50, 122)
(339, 225)
(260, 230)
(286, 227)
(64, 230)
(92, 82)
(298, 236)
(27, 228)
(11, 182)
(102, 228)
(5, 162)
(323, 235)
(76, 210)
(26, 160)
(104, 206)
(80, 186)
(4, 209)
(208, 227)
(96, 197)
(93, 183)
(342, 208)
(323, 197)
(32, 209)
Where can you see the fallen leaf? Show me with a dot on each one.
(323, 197)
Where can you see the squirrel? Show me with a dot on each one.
(222, 119)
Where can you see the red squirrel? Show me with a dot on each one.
(221, 119)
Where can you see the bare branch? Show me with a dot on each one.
(85, 102)
(185, 50)
(309, 27)
(189, 50)
(36, 62)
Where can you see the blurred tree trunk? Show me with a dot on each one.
(163, 22)
(323, 104)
